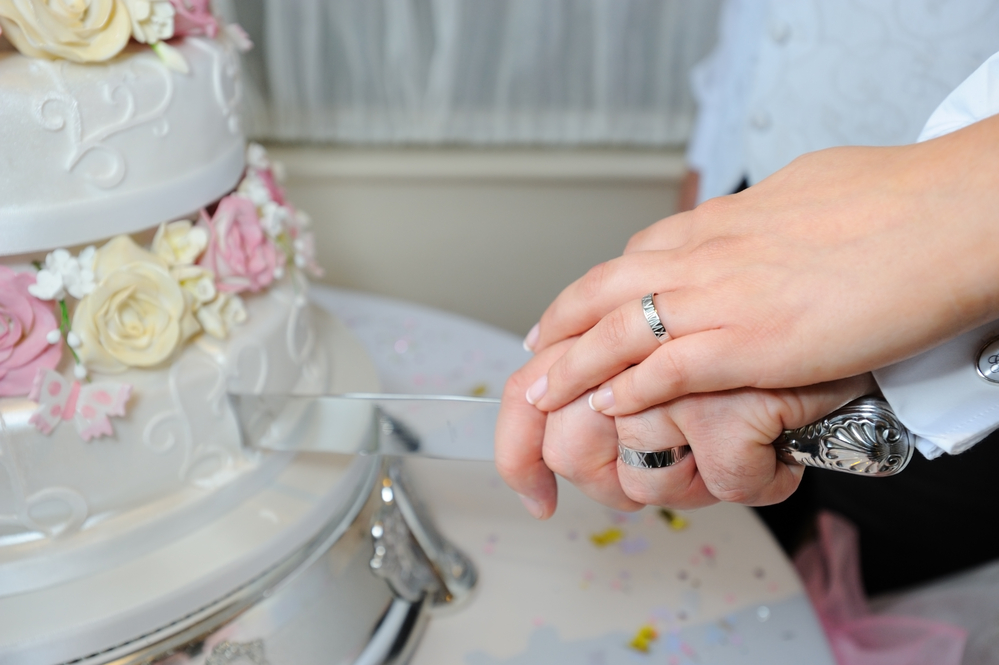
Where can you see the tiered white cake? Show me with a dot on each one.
(121, 464)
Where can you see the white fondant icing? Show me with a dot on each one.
(178, 430)
(92, 151)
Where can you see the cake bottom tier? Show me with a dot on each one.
(320, 603)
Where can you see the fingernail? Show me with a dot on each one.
(601, 400)
(537, 390)
(532, 337)
(533, 507)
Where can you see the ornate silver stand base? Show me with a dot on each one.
(357, 593)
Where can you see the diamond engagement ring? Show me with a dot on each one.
(652, 316)
(651, 459)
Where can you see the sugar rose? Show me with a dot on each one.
(136, 316)
(240, 254)
(81, 31)
(194, 17)
(25, 321)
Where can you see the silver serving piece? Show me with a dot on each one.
(389, 560)
(864, 437)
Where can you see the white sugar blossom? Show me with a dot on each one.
(152, 20)
(197, 282)
(254, 188)
(63, 273)
(180, 242)
(274, 218)
(305, 253)
(256, 157)
(218, 317)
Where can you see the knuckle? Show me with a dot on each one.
(596, 279)
(615, 329)
(642, 488)
(734, 482)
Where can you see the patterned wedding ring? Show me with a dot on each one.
(651, 459)
(652, 316)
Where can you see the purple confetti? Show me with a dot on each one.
(634, 545)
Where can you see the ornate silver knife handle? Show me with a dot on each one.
(864, 437)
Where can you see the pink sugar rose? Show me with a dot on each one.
(240, 254)
(194, 17)
(25, 321)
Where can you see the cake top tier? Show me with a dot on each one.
(90, 149)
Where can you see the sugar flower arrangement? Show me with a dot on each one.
(122, 306)
(97, 30)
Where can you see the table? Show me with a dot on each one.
(591, 585)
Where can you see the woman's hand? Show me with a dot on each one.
(730, 435)
(847, 260)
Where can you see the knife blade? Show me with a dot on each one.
(863, 437)
(439, 426)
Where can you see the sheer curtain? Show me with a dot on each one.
(556, 72)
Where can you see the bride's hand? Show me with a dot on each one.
(847, 260)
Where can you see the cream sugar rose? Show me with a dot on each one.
(123, 306)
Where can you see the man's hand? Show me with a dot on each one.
(730, 435)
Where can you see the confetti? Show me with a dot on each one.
(759, 573)
(709, 552)
(480, 390)
(675, 521)
(573, 535)
(762, 613)
(634, 545)
(730, 598)
(608, 537)
(644, 638)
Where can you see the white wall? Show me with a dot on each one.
(491, 234)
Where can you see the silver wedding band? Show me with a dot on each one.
(652, 316)
(651, 459)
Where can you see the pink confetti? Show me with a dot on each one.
(708, 551)
(538, 622)
(616, 585)
(589, 575)
(773, 587)
(729, 598)
(401, 346)
(573, 535)
(489, 548)
(688, 650)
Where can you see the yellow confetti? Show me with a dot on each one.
(675, 521)
(644, 638)
(607, 537)
(480, 390)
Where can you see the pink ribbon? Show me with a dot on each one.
(830, 569)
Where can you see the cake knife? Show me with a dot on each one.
(864, 437)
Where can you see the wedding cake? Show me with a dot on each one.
(150, 265)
